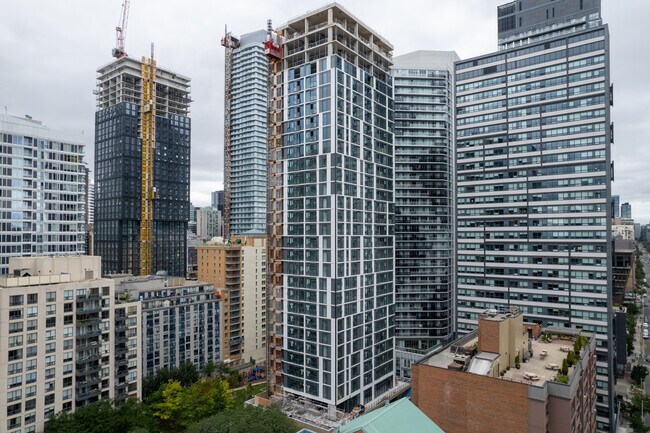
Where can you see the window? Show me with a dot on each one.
(15, 354)
(14, 395)
(31, 364)
(32, 351)
(14, 409)
(67, 295)
(30, 404)
(32, 298)
(30, 377)
(50, 297)
(50, 309)
(49, 399)
(16, 314)
(16, 300)
(50, 360)
(15, 368)
(30, 391)
(50, 322)
(50, 334)
(32, 325)
(15, 327)
(32, 311)
(50, 347)
(16, 340)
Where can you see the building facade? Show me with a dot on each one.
(43, 190)
(616, 206)
(331, 221)
(507, 365)
(217, 200)
(68, 341)
(626, 210)
(209, 223)
(534, 176)
(237, 270)
(245, 140)
(180, 321)
(424, 203)
(119, 162)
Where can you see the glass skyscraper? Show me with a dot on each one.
(331, 222)
(424, 203)
(118, 167)
(43, 190)
(534, 177)
(246, 137)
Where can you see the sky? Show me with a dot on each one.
(50, 51)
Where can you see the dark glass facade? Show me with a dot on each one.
(118, 190)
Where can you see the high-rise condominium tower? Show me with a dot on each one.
(533, 171)
(138, 102)
(424, 203)
(331, 280)
(42, 189)
(626, 210)
(245, 134)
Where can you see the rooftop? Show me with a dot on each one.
(401, 415)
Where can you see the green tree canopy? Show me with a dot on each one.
(186, 374)
(102, 417)
(246, 419)
(639, 373)
(175, 405)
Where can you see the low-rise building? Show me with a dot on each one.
(623, 268)
(506, 363)
(66, 340)
(180, 320)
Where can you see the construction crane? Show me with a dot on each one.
(120, 31)
(230, 43)
(148, 192)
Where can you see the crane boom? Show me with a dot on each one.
(120, 31)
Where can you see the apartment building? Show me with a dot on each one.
(237, 270)
(68, 341)
(42, 190)
(180, 320)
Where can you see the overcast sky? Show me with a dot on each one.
(50, 51)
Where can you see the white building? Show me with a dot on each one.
(68, 341)
(42, 211)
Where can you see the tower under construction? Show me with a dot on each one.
(142, 167)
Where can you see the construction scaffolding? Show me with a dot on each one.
(148, 131)
(230, 43)
(273, 50)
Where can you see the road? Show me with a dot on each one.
(645, 352)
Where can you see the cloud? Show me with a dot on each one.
(51, 51)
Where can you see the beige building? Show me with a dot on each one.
(237, 269)
(66, 341)
(510, 367)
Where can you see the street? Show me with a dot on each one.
(645, 317)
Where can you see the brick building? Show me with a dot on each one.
(466, 386)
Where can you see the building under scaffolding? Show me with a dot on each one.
(142, 167)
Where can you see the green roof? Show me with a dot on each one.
(398, 416)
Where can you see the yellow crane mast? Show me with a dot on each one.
(148, 148)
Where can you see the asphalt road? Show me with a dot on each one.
(645, 258)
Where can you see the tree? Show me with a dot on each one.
(209, 368)
(565, 367)
(632, 410)
(246, 419)
(177, 406)
(102, 417)
(639, 373)
(186, 374)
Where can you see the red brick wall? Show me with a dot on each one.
(462, 402)
(488, 335)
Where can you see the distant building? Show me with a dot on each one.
(623, 228)
(217, 200)
(42, 189)
(626, 210)
(180, 320)
(67, 341)
(471, 384)
(616, 206)
(209, 223)
(237, 270)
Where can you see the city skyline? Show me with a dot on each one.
(93, 35)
